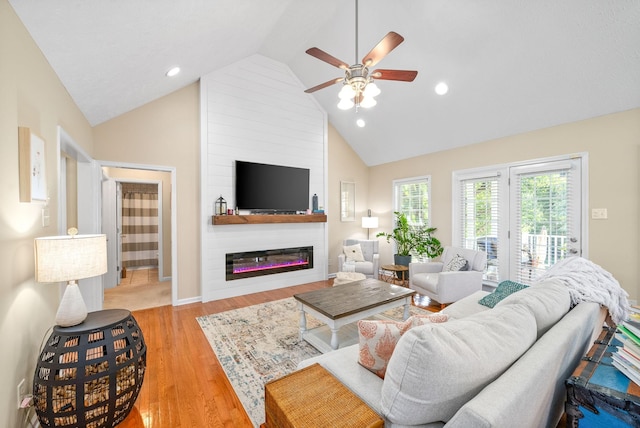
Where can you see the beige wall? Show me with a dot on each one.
(137, 175)
(31, 96)
(612, 143)
(345, 165)
(165, 132)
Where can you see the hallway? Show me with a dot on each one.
(139, 290)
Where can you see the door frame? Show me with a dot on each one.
(89, 207)
(174, 223)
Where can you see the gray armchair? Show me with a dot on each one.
(445, 287)
(371, 264)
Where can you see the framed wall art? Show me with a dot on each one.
(31, 151)
(347, 201)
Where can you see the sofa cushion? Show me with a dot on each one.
(504, 289)
(436, 368)
(353, 253)
(549, 301)
(378, 339)
(466, 306)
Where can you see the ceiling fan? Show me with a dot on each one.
(358, 87)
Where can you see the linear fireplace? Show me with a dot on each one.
(267, 262)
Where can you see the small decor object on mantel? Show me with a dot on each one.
(220, 207)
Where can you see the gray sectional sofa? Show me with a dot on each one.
(486, 367)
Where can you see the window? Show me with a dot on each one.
(411, 197)
(525, 216)
(478, 216)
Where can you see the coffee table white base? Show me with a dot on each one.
(340, 332)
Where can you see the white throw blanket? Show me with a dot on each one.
(589, 282)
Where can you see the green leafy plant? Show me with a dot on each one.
(413, 239)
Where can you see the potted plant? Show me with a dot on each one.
(410, 240)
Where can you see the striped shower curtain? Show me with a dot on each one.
(139, 225)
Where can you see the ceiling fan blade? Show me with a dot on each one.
(323, 56)
(402, 75)
(386, 45)
(324, 85)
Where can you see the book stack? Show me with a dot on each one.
(627, 357)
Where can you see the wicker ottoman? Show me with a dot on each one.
(345, 277)
(313, 397)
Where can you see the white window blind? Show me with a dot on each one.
(412, 198)
(545, 219)
(479, 219)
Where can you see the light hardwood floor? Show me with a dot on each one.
(140, 289)
(184, 385)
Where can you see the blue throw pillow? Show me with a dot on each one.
(504, 289)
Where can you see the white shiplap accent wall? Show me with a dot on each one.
(255, 110)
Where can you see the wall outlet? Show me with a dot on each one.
(21, 392)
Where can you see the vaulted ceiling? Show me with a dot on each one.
(511, 65)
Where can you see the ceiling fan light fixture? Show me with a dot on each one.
(347, 92)
(345, 104)
(371, 90)
(368, 102)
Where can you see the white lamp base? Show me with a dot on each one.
(72, 310)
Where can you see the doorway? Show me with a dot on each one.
(138, 219)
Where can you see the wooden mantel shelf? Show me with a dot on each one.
(263, 219)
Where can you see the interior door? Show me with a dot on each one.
(546, 218)
(109, 228)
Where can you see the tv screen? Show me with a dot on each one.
(271, 188)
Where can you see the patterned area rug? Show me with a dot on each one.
(260, 343)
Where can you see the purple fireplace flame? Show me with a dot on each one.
(267, 262)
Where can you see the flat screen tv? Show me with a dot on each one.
(271, 188)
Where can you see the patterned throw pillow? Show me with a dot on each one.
(455, 264)
(504, 289)
(378, 339)
(353, 253)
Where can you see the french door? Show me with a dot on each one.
(545, 217)
(525, 216)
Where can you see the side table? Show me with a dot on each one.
(89, 375)
(313, 397)
(394, 274)
(598, 394)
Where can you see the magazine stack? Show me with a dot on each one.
(627, 357)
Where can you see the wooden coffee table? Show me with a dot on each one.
(345, 304)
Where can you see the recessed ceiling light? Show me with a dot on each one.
(360, 123)
(173, 71)
(441, 88)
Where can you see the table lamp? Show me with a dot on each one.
(70, 258)
(369, 222)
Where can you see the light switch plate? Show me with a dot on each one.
(45, 217)
(599, 213)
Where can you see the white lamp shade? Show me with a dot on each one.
(369, 222)
(345, 104)
(371, 90)
(368, 102)
(66, 258)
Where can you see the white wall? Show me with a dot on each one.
(256, 110)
